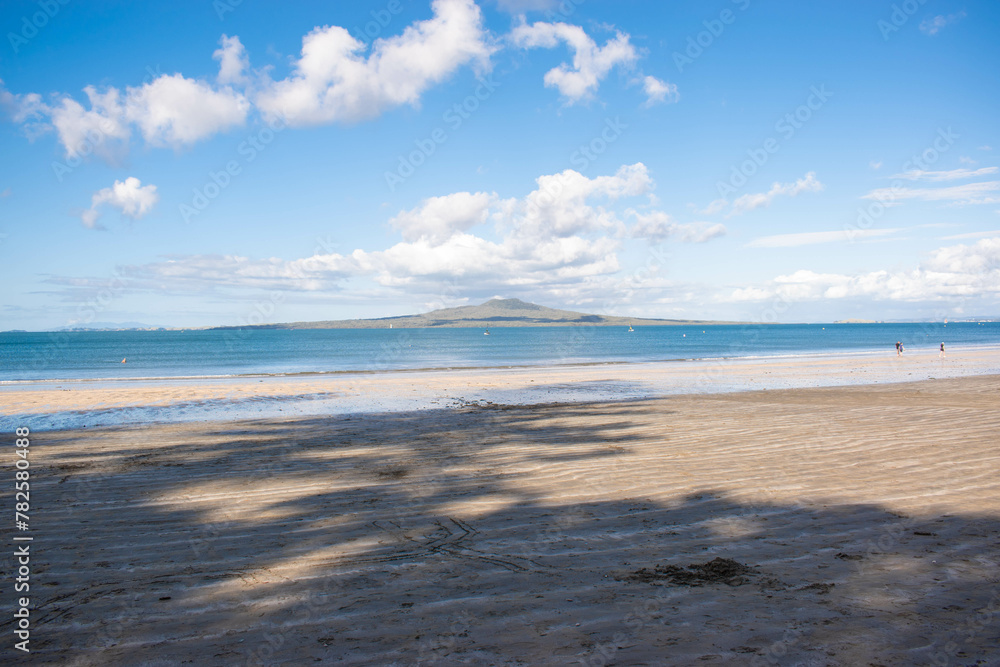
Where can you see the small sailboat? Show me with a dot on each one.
(487, 332)
(630, 329)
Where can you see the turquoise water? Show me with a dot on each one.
(159, 354)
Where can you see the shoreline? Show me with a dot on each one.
(90, 403)
(863, 353)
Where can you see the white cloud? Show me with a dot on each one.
(658, 92)
(750, 294)
(203, 273)
(336, 78)
(169, 111)
(421, 265)
(439, 218)
(558, 238)
(961, 271)
(932, 25)
(751, 201)
(591, 64)
(506, 263)
(965, 159)
(658, 226)
(959, 195)
(951, 175)
(971, 235)
(716, 206)
(233, 61)
(29, 110)
(130, 197)
(102, 129)
(175, 111)
(559, 206)
(875, 164)
(813, 238)
(333, 82)
(981, 259)
(985, 147)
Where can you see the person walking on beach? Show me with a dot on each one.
(942, 350)
(899, 348)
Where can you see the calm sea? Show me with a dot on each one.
(165, 354)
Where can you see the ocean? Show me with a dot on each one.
(97, 355)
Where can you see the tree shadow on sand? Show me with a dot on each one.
(427, 538)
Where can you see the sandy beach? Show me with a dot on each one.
(505, 333)
(850, 525)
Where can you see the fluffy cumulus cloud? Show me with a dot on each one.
(561, 231)
(591, 63)
(951, 272)
(175, 111)
(233, 61)
(170, 110)
(751, 201)
(439, 218)
(333, 81)
(132, 199)
(498, 264)
(562, 205)
(102, 128)
(562, 237)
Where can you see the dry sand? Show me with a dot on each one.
(868, 517)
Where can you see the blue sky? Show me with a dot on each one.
(217, 163)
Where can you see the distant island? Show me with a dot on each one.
(858, 321)
(493, 313)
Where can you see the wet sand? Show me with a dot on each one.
(867, 518)
(73, 404)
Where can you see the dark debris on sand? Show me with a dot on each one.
(716, 571)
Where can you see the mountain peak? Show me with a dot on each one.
(512, 304)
